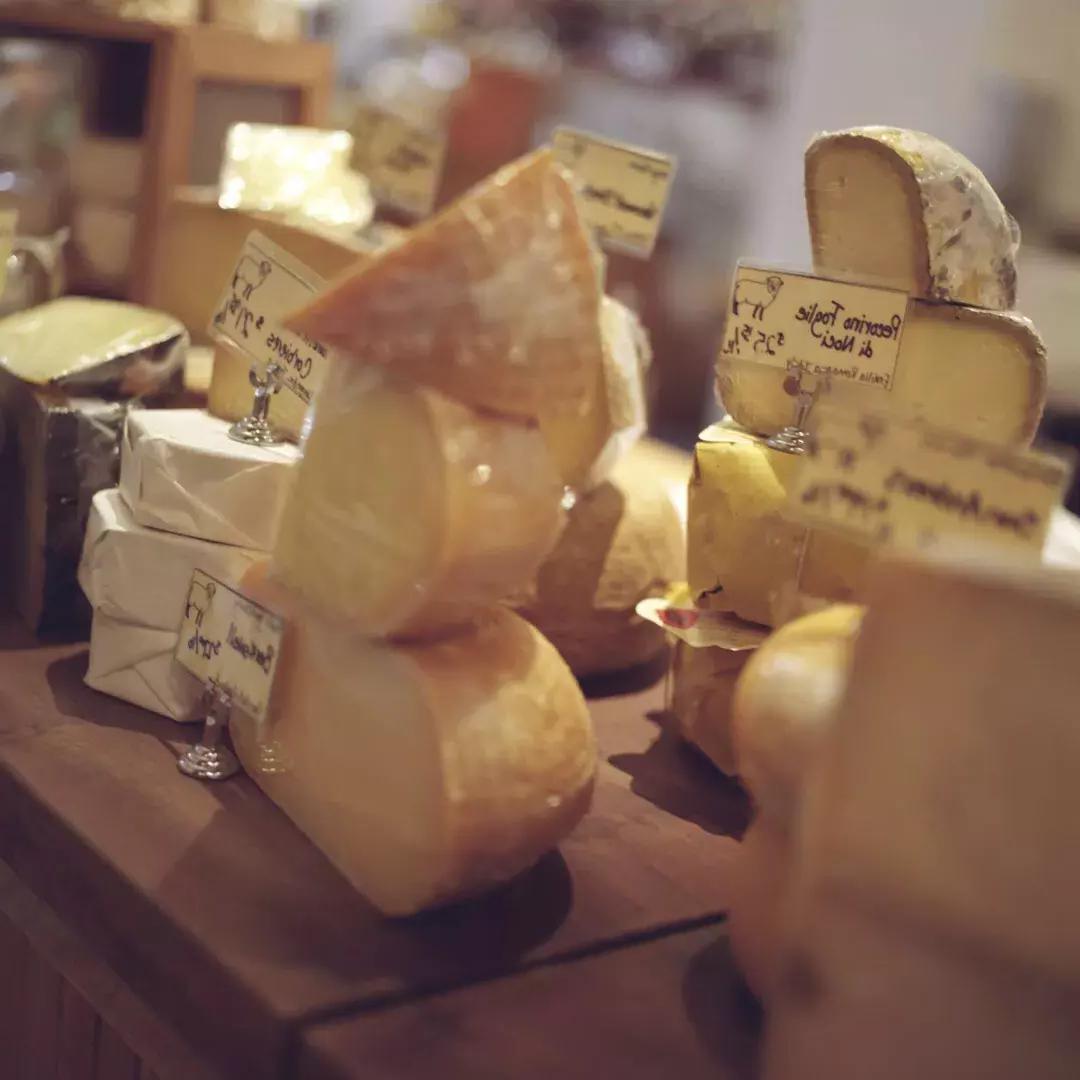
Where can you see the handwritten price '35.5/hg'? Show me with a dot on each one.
(746, 336)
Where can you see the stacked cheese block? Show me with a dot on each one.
(431, 742)
(189, 498)
(892, 208)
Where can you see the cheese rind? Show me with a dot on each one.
(410, 511)
(494, 301)
(702, 691)
(181, 472)
(424, 772)
(979, 373)
(623, 542)
(903, 209)
(744, 554)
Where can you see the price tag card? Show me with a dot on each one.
(403, 163)
(231, 642)
(815, 325)
(266, 285)
(8, 223)
(905, 484)
(624, 190)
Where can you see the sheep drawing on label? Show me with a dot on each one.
(756, 295)
(249, 276)
(198, 602)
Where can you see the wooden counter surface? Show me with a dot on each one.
(237, 933)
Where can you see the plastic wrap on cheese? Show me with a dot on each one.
(409, 510)
(88, 346)
(897, 207)
(181, 472)
(494, 301)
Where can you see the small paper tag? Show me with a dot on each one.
(403, 163)
(815, 325)
(906, 484)
(624, 190)
(231, 642)
(266, 285)
(9, 220)
(702, 629)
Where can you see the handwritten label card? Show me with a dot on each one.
(8, 223)
(403, 163)
(905, 484)
(815, 325)
(230, 641)
(702, 629)
(266, 285)
(624, 190)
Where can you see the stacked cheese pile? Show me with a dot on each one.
(429, 741)
(106, 182)
(892, 208)
(189, 498)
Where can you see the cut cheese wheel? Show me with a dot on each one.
(586, 448)
(903, 209)
(494, 301)
(979, 373)
(409, 511)
(702, 690)
(744, 554)
(785, 703)
(623, 542)
(424, 772)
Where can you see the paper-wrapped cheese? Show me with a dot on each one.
(494, 301)
(623, 542)
(903, 209)
(979, 373)
(424, 772)
(745, 555)
(410, 511)
(180, 471)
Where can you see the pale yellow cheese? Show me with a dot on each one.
(201, 242)
(623, 542)
(586, 448)
(744, 554)
(494, 301)
(424, 772)
(409, 511)
(103, 243)
(903, 209)
(980, 373)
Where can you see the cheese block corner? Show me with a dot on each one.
(410, 511)
(902, 208)
(426, 773)
(494, 301)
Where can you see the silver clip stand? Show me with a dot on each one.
(795, 439)
(209, 758)
(255, 429)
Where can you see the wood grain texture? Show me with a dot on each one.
(671, 1007)
(213, 907)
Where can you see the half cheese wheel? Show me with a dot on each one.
(424, 772)
(410, 511)
(979, 373)
(900, 208)
(494, 301)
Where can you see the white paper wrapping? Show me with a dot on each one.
(180, 471)
(141, 575)
(136, 663)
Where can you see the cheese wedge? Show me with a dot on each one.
(903, 209)
(702, 690)
(586, 448)
(201, 242)
(410, 511)
(744, 555)
(623, 542)
(980, 373)
(424, 772)
(494, 301)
